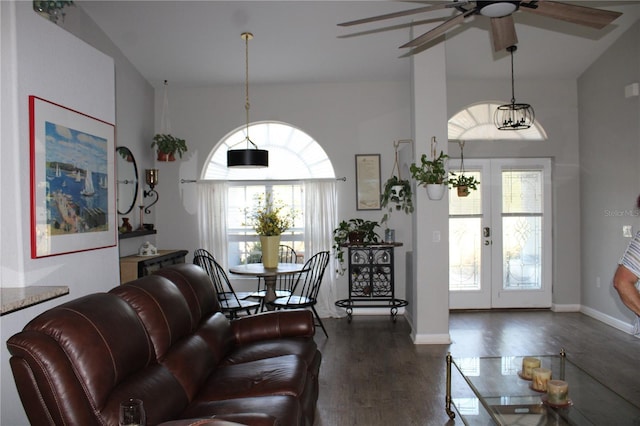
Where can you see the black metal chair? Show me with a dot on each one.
(230, 302)
(305, 290)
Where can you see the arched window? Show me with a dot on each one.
(475, 122)
(294, 156)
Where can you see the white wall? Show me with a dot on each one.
(610, 175)
(40, 58)
(345, 119)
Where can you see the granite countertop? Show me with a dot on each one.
(16, 298)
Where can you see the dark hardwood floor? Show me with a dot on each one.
(372, 373)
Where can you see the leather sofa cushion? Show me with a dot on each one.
(285, 408)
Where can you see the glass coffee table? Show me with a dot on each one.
(490, 390)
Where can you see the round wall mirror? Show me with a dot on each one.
(127, 172)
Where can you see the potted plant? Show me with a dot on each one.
(270, 219)
(431, 174)
(353, 231)
(167, 146)
(396, 195)
(463, 183)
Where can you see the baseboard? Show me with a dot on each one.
(607, 319)
(565, 308)
(431, 339)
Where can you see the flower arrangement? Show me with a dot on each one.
(270, 217)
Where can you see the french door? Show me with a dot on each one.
(500, 236)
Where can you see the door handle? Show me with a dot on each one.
(486, 232)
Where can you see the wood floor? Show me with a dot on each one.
(372, 374)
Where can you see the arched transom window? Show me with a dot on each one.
(293, 154)
(475, 122)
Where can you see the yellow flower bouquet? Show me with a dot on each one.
(268, 217)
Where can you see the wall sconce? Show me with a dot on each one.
(151, 178)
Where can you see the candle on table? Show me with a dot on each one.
(557, 392)
(528, 364)
(540, 378)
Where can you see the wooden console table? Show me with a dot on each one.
(135, 266)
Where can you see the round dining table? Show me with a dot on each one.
(270, 276)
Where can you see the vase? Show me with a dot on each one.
(270, 250)
(163, 156)
(435, 191)
(126, 226)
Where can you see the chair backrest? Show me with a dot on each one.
(308, 282)
(287, 254)
(226, 295)
(202, 252)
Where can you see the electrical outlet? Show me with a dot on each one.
(627, 231)
(436, 236)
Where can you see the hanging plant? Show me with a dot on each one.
(396, 193)
(165, 143)
(461, 182)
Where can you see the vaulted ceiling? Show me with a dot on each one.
(196, 43)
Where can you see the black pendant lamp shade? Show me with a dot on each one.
(251, 156)
(248, 158)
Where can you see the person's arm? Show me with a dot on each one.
(624, 282)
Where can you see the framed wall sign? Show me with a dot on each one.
(368, 181)
(72, 180)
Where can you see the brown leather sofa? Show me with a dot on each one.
(162, 339)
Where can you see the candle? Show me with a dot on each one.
(540, 378)
(140, 195)
(557, 392)
(528, 364)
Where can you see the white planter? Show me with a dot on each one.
(435, 191)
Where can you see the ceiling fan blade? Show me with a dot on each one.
(581, 15)
(439, 30)
(503, 33)
(404, 13)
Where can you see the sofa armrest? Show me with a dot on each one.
(273, 325)
(238, 419)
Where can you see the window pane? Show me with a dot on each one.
(522, 252)
(464, 253)
(522, 191)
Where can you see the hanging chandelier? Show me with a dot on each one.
(251, 156)
(513, 116)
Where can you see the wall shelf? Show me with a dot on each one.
(136, 233)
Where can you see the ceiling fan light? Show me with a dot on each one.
(497, 9)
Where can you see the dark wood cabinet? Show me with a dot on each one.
(371, 278)
(135, 266)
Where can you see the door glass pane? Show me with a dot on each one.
(522, 229)
(464, 253)
(465, 238)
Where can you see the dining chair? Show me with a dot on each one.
(304, 293)
(230, 302)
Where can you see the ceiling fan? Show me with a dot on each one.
(503, 31)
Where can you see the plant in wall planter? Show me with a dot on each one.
(463, 184)
(167, 146)
(431, 174)
(353, 231)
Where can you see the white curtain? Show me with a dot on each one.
(212, 219)
(321, 218)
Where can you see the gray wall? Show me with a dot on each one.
(75, 75)
(555, 105)
(609, 172)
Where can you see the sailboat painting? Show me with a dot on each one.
(74, 154)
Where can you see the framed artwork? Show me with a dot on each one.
(72, 180)
(368, 181)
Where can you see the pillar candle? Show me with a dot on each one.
(540, 378)
(557, 392)
(140, 193)
(528, 364)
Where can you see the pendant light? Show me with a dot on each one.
(513, 116)
(251, 156)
